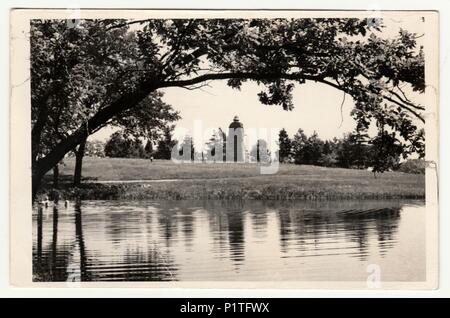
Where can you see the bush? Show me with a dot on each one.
(416, 166)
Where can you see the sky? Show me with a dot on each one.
(317, 107)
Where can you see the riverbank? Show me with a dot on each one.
(138, 179)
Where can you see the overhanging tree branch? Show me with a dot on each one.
(419, 116)
(274, 76)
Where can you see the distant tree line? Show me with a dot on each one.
(122, 145)
(352, 151)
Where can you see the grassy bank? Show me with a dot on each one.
(232, 181)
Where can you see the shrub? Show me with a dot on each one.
(416, 166)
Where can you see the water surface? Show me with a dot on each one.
(225, 240)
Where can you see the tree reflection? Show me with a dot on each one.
(167, 220)
(258, 215)
(54, 237)
(387, 229)
(236, 235)
(312, 226)
(187, 219)
(50, 260)
(228, 216)
(39, 235)
(285, 228)
(84, 275)
(384, 221)
(218, 226)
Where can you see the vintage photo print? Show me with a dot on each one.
(224, 149)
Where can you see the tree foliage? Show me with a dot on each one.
(298, 144)
(352, 151)
(165, 144)
(95, 148)
(149, 151)
(120, 145)
(285, 146)
(416, 166)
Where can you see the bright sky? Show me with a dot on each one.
(317, 106)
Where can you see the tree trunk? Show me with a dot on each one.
(43, 165)
(79, 154)
(36, 179)
(55, 176)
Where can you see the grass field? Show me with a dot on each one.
(232, 181)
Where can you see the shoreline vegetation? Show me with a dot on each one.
(109, 179)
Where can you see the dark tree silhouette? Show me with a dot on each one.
(285, 145)
(165, 144)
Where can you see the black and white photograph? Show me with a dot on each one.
(291, 148)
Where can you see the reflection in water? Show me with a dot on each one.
(235, 220)
(48, 261)
(84, 275)
(224, 240)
